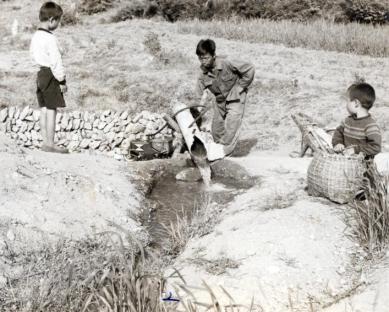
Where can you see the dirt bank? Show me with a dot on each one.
(275, 243)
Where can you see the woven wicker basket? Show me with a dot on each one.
(335, 176)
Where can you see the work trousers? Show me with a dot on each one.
(227, 121)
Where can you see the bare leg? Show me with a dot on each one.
(43, 125)
(51, 115)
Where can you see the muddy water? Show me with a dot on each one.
(170, 198)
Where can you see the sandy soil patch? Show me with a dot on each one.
(275, 243)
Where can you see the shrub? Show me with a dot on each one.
(136, 9)
(90, 7)
(173, 10)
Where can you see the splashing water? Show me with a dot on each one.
(199, 156)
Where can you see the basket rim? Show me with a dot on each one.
(339, 156)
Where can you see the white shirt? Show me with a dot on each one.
(45, 51)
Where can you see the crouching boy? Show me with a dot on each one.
(359, 132)
(51, 82)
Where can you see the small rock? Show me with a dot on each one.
(3, 114)
(25, 112)
(85, 143)
(106, 113)
(88, 126)
(23, 137)
(29, 118)
(108, 127)
(95, 144)
(36, 114)
(189, 175)
(76, 115)
(110, 137)
(34, 135)
(64, 121)
(73, 145)
(137, 118)
(135, 128)
(23, 127)
(76, 124)
(117, 141)
(30, 126)
(124, 115)
(11, 112)
(17, 113)
(62, 142)
(70, 125)
(118, 157)
(102, 125)
(96, 123)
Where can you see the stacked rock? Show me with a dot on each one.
(106, 131)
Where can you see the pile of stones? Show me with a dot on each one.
(105, 131)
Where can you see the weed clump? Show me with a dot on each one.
(368, 220)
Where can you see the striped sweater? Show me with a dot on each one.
(363, 133)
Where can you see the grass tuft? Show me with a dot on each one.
(368, 219)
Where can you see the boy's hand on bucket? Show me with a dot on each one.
(339, 148)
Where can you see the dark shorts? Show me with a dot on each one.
(48, 90)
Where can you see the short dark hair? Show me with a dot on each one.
(206, 46)
(363, 92)
(50, 10)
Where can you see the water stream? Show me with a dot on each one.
(171, 197)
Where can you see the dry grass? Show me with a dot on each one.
(102, 273)
(319, 35)
(368, 220)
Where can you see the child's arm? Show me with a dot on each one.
(246, 71)
(338, 136)
(56, 65)
(373, 141)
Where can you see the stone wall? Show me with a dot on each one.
(105, 131)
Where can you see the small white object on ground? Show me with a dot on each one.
(215, 151)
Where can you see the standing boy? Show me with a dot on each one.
(359, 131)
(51, 81)
(229, 82)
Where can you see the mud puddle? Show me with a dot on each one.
(170, 198)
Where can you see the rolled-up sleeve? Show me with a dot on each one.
(245, 71)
